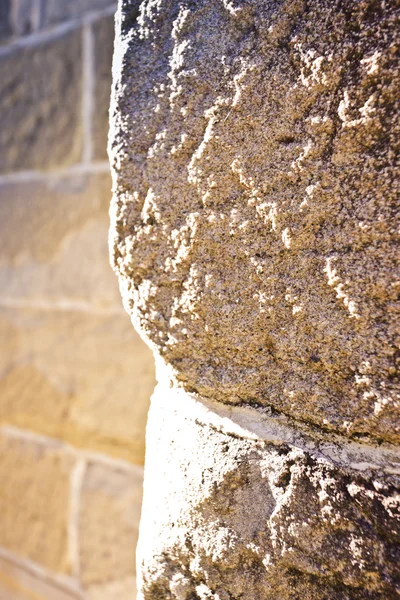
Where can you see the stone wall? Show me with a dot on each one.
(75, 378)
(255, 236)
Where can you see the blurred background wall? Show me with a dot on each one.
(75, 378)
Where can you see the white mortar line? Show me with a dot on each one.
(47, 35)
(76, 484)
(88, 84)
(61, 305)
(65, 583)
(73, 171)
(254, 424)
(78, 453)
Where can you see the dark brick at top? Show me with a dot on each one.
(40, 98)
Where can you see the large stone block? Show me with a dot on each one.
(76, 376)
(53, 242)
(108, 528)
(254, 215)
(103, 32)
(239, 507)
(254, 235)
(35, 500)
(40, 96)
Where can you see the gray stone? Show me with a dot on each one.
(254, 236)
(40, 96)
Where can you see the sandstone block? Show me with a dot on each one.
(103, 32)
(108, 526)
(53, 242)
(76, 376)
(254, 213)
(34, 500)
(40, 96)
(19, 582)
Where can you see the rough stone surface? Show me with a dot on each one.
(228, 517)
(112, 497)
(46, 79)
(253, 148)
(254, 226)
(79, 377)
(34, 500)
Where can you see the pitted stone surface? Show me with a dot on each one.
(227, 518)
(254, 217)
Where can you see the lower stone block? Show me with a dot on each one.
(35, 500)
(229, 514)
(108, 525)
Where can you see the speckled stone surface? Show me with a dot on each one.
(254, 233)
(254, 217)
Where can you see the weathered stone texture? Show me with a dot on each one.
(113, 498)
(253, 146)
(228, 517)
(34, 500)
(40, 90)
(254, 217)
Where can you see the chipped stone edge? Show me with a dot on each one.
(254, 424)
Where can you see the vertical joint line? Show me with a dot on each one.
(76, 483)
(88, 92)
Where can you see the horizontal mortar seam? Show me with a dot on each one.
(249, 423)
(78, 169)
(89, 456)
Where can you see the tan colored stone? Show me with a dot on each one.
(255, 213)
(53, 243)
(108, 527)
(40, 96)
(35, 500)
(19, 582)
(80, 377)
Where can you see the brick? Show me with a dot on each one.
(103, 32)
(84, 378)
(40, 96)
(55, 11)
(107, 552)
(53, 241)
(34, 500)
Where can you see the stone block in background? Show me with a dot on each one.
(35, 500)
(81, 377)
(40, 98)
(103, 32)
(56, 11)
(53, 242)
(108, 529)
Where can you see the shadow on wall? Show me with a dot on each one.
(75, 379)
